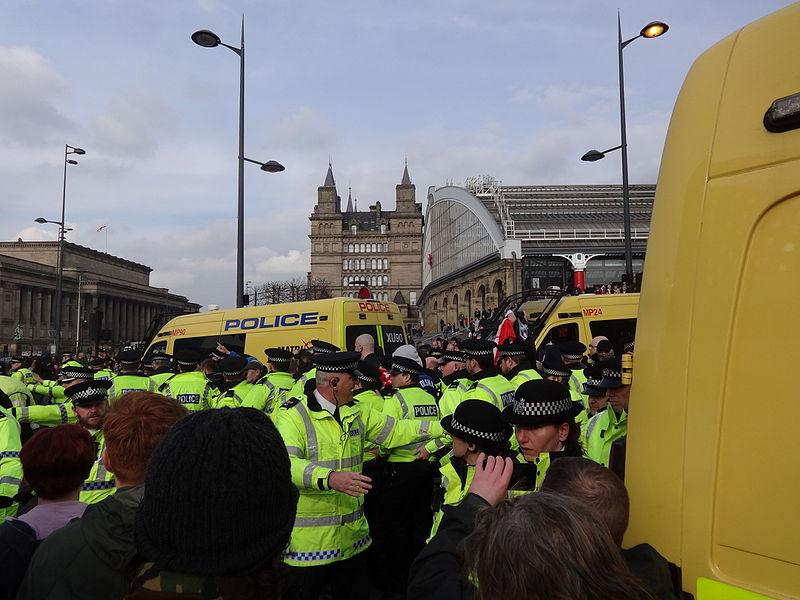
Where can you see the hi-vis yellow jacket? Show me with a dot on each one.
(330, 526)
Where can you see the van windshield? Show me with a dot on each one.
(204, 345)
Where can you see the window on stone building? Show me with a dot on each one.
(405, 245)
(385, 280)
(385, 263)
(361, 248)
(383, 229)
(412, 298)
(386, 247)
(353, 229)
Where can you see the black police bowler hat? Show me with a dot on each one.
(477, 422)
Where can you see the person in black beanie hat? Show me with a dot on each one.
(205, 461)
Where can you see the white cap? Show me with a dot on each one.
(408, 351)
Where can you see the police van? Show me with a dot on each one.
(713, 451)
(291, 326)
(557, 318)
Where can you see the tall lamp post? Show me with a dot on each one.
(61, 231)
(651, 30)
(209, 39)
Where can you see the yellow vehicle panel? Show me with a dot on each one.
(712, 447)
(291, 326)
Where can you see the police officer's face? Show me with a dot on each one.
(545, 438)
(460, 447)
(343, 385)
(91, 415)
(450, 367)
(400, 380)
(619, 397)
(472, 366)
(597, 403)
(507, 364)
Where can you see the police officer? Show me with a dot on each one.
(189, 386)
(324, 435)
(271, 389)
(129, 379)
(611, 424)
(454, 374)
(408, 485)
(593, 391)
(10, 467)
(20, 370)
(572, 353)
(514, 364)
(160, 368)
(317, 347)
(100, 367)
(58, 411)
(556, 370)
(90, 404)
(235, 387)
(488, 383)
(543, 415)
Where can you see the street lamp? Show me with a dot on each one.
(61, 231)
(209, 39)
(651, 30)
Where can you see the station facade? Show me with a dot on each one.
(485, 241)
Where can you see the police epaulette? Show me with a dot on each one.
(290, 402)
(454, 385)
(472, 386)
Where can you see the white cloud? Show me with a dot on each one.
(29, 96)
(133, 125)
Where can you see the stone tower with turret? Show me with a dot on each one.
(377, 248)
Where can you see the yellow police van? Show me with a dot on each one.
(291, 326)
(557, 319)
(713, 451)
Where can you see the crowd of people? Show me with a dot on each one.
(459, 469)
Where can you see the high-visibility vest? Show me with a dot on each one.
(451, 398)
(299, 388)
(234, 397)
(576, 381)
(270, 391)
(159, 378)
(409, 403)
(375, 401)
(23, 375)
(48, 415)
(454, 488)
(330, 526)
(100, 483)
(522, 376)
(600, 433)
(122, 384)
(53, 393)
(104, 374)
(192, 389)
(10, 467)
(490, 386)
(19, 393)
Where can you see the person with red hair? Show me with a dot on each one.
(55, 462)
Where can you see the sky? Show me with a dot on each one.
(518, 90)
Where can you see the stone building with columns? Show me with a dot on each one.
(117, 302)
(485, 241)
(381, 249)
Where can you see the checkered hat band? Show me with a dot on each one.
(628, 346)
(542, 409)
(452, 357)
(486, 352)
(239, 372)
(572, 356)
(485, 435)
(611, 374)
(339, 368)
(76, 373)
(319, 350)
(555, 372)
(129, 362)
(187, 363)
(403, 369)
(89, 393)
(594, 382)
(366, 378)
(514, 352)
(278, 359)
